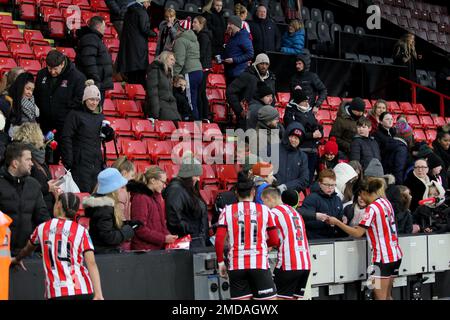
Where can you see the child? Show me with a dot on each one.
(354, 213)
(331, 155)
(262, 177)
(179, 92)
(364, 147)
(65, 245)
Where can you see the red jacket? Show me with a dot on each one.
(147, 207)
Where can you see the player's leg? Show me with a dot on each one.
(302, 280)
(285, 287)
(262, 285)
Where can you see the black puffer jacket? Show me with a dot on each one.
(266, 35)
(56, 97)
(117, 8)
(21, 199)
(81, 147)
(204, 38)
(105, 235)
(244, 87)
(216, 23)
(93, 58)
(181, 217)
(41, 173)
(310, 83)
(364, 149)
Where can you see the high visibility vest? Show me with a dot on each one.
(5, 255)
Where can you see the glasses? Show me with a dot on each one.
(421, 167)
(328, 185)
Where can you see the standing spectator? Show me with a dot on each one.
(293, 40)
(269, 130)
(416, 181)
(405, 54)
(67, 279)
(217, 24)
(7, 80)
(441, 148)
(300, 111)
(81, 142)
(20, 195)
(374, 114)
(167, 31)
(160, 102)
(59, 89)
(293, 162)
(148, 207)
(204, 37)
(117, 10)
(386, 132)
(107, 229)
(309, 82)
(186, 212)
(132, 59)
(241, 11)
(246, 87)
(187, 55)
(265, 33)
(364, 147)
(292, 9)
(179, 92)
(238, 51)
(344, 128)
(263, 97)
(31, 134)
(248, 270)
(93, 58)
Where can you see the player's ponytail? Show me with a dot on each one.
(372, 186)
(70, 204)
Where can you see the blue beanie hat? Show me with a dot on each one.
(110, 180)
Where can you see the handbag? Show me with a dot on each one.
(68, 184)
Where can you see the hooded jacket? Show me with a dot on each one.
(364, 149)
(240, 49)
(93, 58)
(344, 173)
(105, 235)
(344, 129)
(187, 53)
(245, 86)
(147, 207)
(293, 43)
(266, 35)
(309, 83)
(293, 163)
(21, 199)
(217, 24)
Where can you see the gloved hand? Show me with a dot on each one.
(282, 188)
(133, 223)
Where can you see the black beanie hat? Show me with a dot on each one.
(433, 161)
(299, 96)
(290, 197)
(262, 90)
(357, 104)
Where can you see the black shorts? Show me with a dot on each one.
(387, 270)
(255, 283)
(291, 284)
(75, 297)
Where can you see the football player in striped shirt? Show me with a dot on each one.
(379, 225)
(294, 263)
(65, 246)
(251, 231)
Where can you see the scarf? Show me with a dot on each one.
(259, 75)
(358, 215)
(38, 155)
(29, 109)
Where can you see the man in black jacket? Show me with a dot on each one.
(20, 195)
(59, 89)
(117, 9)
(309, 82)
(265, 33)
(93, 58)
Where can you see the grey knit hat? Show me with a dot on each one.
(374, 169)
(267, 114)
(190, 167)
(235, 20)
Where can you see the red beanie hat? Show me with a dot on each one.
(331, 146)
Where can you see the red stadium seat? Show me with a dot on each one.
(152, 47)
(57, 29)
(32, 66)
(421, 109)
(109, 109)
(180, 148)
(333, 115)
(128, 108)
(34, 37)
(40, 52)
(21, 50)
(283, 98)
(419, 135)
(116, 92)
(431, 135)
(6, 21)
(407, 108)
(227, 174)
(141, 166)
(121, 126)
(143, 129)
(69, 52)
(51, 13)
(208, 176)
(164, 128)
(334, 101)
(427, 122)
(186, 128)
(159, 150)
(105, 16)
(210, 130)
(28, 12)
(4, 51)
(281, 112)
(171, 170)
(62, 3)
(326, 130)
(394, 107)
(208, 197)
(112, 44)
(81, 196)
(439, 121)
(11, 35)
(7, 64)
(413, 121)
(83, 4)
(219, 111)
(218, 68)
(111, 150)
(324, 116)
(216, 81)
(215, 95)
(57, 170)
(135, 91)
(99, 5)
(135, 149)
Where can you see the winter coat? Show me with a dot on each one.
(252, 115)
(266, 35)
(293, 43)
(81, 147)
(217, 24)
(395, 159)
(105, 235)
(166, 37)
(293, 163)
(443, 154)
(160, 102)
(436, 219)
(310, 83)
(180, 215)
(21, 199)
(403, 217)
(374, 122)
(344, 129)
(204, 38)
(245, 86)
(364, 149)
(384, 138)
(321, 202)
(417, 188)
(187, 53)
(309, 122)
(240, 49)
(117, 9)
(41, 173)
(184, 109)
(133, 50)
(147, 207)
(93, 58)
(56, 97)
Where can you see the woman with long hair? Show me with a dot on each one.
(405, 54)
(374, 114)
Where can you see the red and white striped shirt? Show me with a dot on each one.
(247, 224)
(63, 244)
(293, 253)
(382, 231)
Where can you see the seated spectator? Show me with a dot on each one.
(179, 92)
(266, 35)
(293, 162)
(217, 24)
(416, 181)
(433, 215)
(374, 114)
(364, 147)
(293, 40)
(147, 206)
(435, 170)
(326, 201)
(262, 177)
(385, 133)
(159, 101)
(331, 155)
(346, 177)
(269, 129)
(167, 31)
(355, 212)
(400, 199)
(263, 97)
(106, 227)
(344, 128)
(441, 148)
